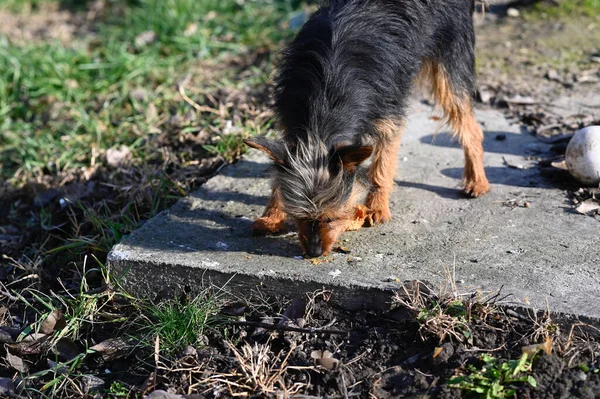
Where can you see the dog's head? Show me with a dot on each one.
(319, 186)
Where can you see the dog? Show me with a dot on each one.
(341, 93)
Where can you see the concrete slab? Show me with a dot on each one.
(542, 253)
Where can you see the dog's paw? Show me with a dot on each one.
(378, 216)
(265, 226)
(378, 203)
(476, 188)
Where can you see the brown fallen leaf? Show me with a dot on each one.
(54, 321)
(33, 344)
(562, 165)
(5, 336)
(325, 359)
(16, 362)
(65, 349)
(114, 348)
(92, 384)
(533, 349)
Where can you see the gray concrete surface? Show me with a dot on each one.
(542, 254)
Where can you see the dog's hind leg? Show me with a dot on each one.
(458, 112)
(382, 171)
(273, 219)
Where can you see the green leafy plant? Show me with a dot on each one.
(117, 390)
(495, 379)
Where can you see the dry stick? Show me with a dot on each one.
(269, 326)
(512, 313)
(344, 388)
(200, 108)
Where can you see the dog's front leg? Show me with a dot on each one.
(382, 172)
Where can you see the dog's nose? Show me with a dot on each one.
(314, 251)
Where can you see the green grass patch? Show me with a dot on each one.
(495, 379)
(62, 106)
(178, 323)
(564, 9)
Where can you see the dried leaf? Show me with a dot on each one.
(117, 157)
(531, 350)
(516, 165)
(560, 165)
(589, 207)
(65, 349)
(158, 394)
(16, 362)
(295, 310)
(91, 384)
(325, 359)
(113, 348)
(32, 345)
(5, 336)
(145, 38)
(54, 321)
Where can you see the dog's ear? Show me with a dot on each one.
(352, 156)
(274, 149)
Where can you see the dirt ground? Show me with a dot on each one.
(391, 354)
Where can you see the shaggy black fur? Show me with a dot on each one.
(354, 63)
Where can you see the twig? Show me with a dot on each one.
(200, 108)
(503, 346)
(269, 326)
(512, 313)
(344, 388)
(4, 291)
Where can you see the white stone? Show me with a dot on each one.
(583, 155)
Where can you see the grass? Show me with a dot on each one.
(565, 9)
(62, 106)
(192, 92)
(177, 323)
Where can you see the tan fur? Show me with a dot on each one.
(382, 170)
(458, 113)
(273, 219)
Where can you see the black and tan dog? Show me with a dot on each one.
(341, 96)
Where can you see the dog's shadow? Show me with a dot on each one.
(499, 142)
